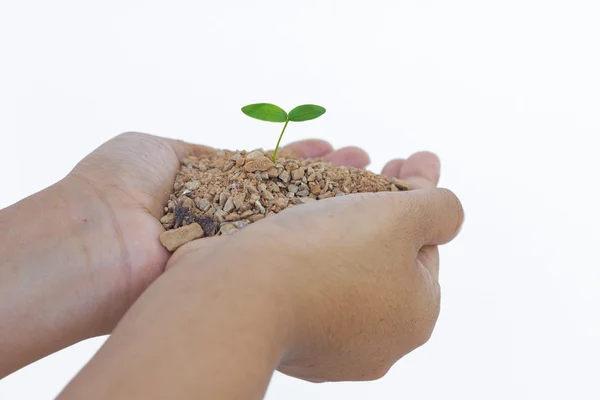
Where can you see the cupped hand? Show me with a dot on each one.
(356, 277)
(125, 184)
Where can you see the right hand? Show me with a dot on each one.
(356, 277)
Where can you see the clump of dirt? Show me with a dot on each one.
(221, 192)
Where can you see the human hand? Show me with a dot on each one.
(359, 274)
(380, 299)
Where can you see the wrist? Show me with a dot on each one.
(246, 282)
(48, 295)
(217, 318)
(251, 280)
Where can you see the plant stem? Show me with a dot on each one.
(279, 141)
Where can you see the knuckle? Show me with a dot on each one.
(451, 196)
(454, 204)
(131, 133)
(374, 373)
(423, 336)
(424, 330)
(132, 136)
(128, 134)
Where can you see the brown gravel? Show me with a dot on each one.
(224, 191)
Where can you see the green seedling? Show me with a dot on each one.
(272, 113)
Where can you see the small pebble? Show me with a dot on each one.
(233, 217)
(168, 221)
(202, 204)
(229, 206)
(260, 207)
(258, 164)
(238, 200)
(223, 197)
(192, 185)
(228, 229)
(254, 154)
(241, 224)
(314, 188)
(293, 189)
(220, 214)
(246, 214)
(285, 176)
(228, 165)
(298, 174)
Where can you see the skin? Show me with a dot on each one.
(335, 290)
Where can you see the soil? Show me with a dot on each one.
(223, 191)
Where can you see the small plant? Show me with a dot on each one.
(272, 113)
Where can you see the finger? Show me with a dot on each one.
(429, 256)
(393, 168)
(349, 157)
(199, 249)
(434, 216)
(421, 170)
(311, 148)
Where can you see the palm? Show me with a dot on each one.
(133, 175)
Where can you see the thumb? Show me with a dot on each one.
(434, 216)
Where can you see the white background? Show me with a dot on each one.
(506, 92)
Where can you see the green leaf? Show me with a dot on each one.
(306, 112)
(265, 112)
